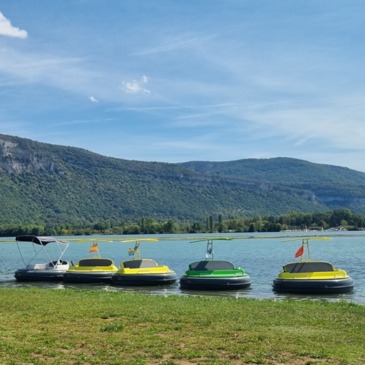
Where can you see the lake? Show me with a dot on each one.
(261, 254)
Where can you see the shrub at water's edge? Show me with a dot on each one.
(340, 219)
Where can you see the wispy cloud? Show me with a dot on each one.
(136, 86)
(8, 30)
(177, 43)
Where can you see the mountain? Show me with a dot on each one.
(50, 184)
(332, 186)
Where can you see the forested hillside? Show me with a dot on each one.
(333, 186)
(49, 184)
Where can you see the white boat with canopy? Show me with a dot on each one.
(34, 270)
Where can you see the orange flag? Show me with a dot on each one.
(94, 248)
(300, 251)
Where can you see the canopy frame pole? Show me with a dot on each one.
(209, 255)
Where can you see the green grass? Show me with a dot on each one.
(40, 326)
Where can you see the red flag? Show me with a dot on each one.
(300, 251)
(94, 248)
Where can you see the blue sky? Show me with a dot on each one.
(176, 81)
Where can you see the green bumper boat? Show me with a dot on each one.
(213, 274)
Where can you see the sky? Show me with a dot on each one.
(193, 80)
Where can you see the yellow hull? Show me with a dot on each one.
(91, 271)
(327, 275)
(143, 272)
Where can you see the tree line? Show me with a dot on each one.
(337, 219)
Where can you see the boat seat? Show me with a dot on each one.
(211, 265)
(59, 262)
(37, 267)
(96, 262)
(139, 264)
(308, 267)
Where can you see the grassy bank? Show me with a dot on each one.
(41, 326)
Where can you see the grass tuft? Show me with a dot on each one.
(112, 327)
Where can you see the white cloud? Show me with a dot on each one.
(93, 99)
(136, 87)
(8, 30)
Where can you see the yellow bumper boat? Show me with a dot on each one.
(312, 277)
(91, 270)
(142, 272)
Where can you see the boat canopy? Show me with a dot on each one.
(209, 253)
(39, 240)
(135, 251)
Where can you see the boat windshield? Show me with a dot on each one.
(96, 262)
(211, 265)
(298, 267)
(139, 264)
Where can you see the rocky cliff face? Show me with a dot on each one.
(16, 159)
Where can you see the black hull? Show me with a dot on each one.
(34, 275)
(85, 278)
(144, 279)
(333, 286)
(199, 283)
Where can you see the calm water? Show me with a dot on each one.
(261, 255)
